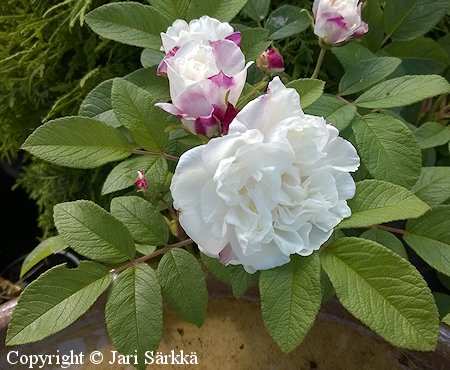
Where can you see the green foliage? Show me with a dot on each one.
(432, 134)
(143, 220)
(433, 186)
(403, 311)
(287, 20)
(55, 300)
(129, 23)
(92, 232)
(403, 91)
(239, 279)
(256, 9)
(48, 247)
(78, 142)
(134, 312)
(386, 239)
(429, 236)
(309, 90)
(377, 202)
(183, 285)
(290, 300)
(398, 158)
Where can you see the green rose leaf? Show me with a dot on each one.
(287, 20)
(432, 134)
(46, 248)
(290, 299)
(419, 56)
(183, 285)
(377, 202)
(223, 10)
(403, 91)
(256, 9)
(408, 19)
(234, 275)
(387, 239)
(309, 90)
(78, 142)
(433, 186)
(388, 149)
(134, 312)
(125, 174)
(135, 109)
(150, 58)
(143, 220)
(429, 236)
(254, 42)
(384, 291)
(334, 110)
(129, 23)
(366, 73)
(97, 104)
(351, 54)
(55, 300)
(92, 232)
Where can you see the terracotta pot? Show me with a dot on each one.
(233, 337)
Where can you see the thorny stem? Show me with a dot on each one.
(156, 154)
(147, 257)
(391, 229)
(319, 63)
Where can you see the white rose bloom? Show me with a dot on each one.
(205, 28)
(276, 185)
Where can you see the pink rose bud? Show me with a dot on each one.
(336, 21)
(141, 181)
(270, 61)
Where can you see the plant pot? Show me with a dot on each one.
(234, 336)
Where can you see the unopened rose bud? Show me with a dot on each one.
(270, 61)
(141, 181)
(336, 21)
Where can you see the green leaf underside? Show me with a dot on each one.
(135, 110)
(433, 186)
(183, 285)
(92, 232)
(287, 20)
(384, 291)
(377, 202)
(334, 110)
(386, 239)
(290, 299)
(309, 90)
(143, 220)
(78, 142)
(432, 134)
(134, 312)
(46, 248)
(429, 237)
(125, 173)
(407, 19)
(367, 73)
(236, 276)
(403, 91)
(388, 149)
(129, 23)
(55, 300)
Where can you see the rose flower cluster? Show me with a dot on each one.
(272, 181)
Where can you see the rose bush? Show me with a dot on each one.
(336, 21)
(276, 185)
(269, 190)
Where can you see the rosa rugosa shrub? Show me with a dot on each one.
(262, 175)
